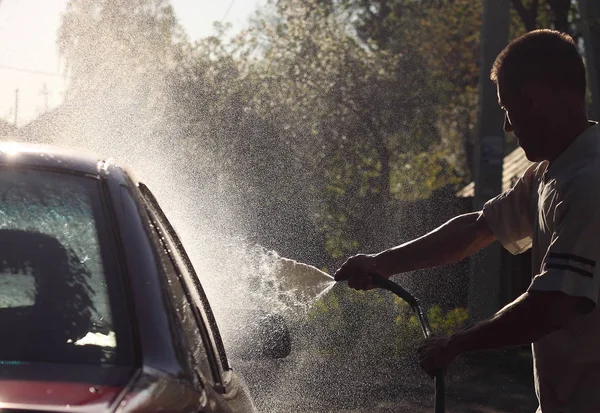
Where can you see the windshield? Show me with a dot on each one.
(58, 285)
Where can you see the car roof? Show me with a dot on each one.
(40, 156)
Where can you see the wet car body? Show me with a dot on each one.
(168, 361)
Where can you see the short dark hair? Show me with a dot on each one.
(546, 56)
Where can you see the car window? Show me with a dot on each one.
(22, 283)
(185, 315)
(54, 261)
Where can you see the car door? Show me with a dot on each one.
(202, 332)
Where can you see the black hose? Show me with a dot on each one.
(439, 382)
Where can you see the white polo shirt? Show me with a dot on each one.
(555, 210)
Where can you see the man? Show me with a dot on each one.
(554, 208)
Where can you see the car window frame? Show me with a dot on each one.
(190, 283)
(119, 297)
(184, 349)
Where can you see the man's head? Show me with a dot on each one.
(541, 86)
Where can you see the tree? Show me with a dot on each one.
(118, 55)
(349, 111)
(561, 15)
(115, 41)
(445, 36)
(214, 91)
(124, 60)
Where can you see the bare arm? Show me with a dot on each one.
(456, 239)
(527, 319)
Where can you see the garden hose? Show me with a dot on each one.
(440, 387)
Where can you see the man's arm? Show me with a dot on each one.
(458, 238)
(527, 319)
(530, 317)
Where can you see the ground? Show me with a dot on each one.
(495, 382)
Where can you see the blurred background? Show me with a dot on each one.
(312, 130)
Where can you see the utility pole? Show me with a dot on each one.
(590, 22)
(486, 278)
(16, 107)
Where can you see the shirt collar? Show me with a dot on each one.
(581, 145)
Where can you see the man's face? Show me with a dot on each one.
(521, 118)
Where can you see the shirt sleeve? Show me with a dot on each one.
(510, 214)
(570, 262)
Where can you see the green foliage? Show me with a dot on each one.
(327, 317)
(409, 332)
(445, 36)
(445, 324)
(416, 176)
(344, 109)
(345, 321)
(342, 321)
(315, 119)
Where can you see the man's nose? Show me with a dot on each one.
(508, 127)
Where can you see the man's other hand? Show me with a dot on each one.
(435, 354)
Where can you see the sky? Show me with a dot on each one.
(29, 60)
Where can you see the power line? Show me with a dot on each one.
(26, 70)
(226, 13)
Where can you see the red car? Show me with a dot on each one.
(100, 307)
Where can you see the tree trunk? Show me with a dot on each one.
(528, 15)
(560, 10)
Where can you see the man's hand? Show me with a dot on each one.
(435, 354)
(357, 271)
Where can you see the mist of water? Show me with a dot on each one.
(199, 198)
(240, 277)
